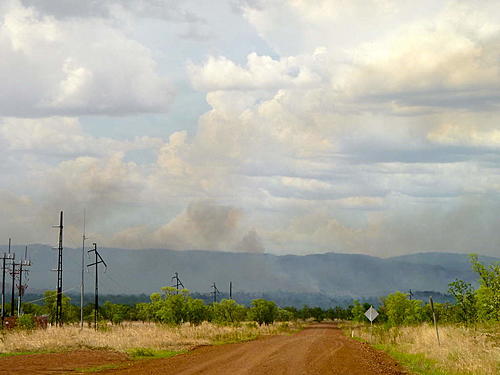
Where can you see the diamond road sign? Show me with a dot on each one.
(371, 314)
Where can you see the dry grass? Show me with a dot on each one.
(463, 350)
(132, 335)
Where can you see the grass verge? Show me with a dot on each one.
(416, 363)
(130, 336)
(463, 350)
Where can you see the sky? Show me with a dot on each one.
(279, 126)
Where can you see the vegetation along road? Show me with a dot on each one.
(318, 349)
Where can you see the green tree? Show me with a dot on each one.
(144, 312)
(228, 311)
(70, 313)
(465, 298)
(196, 311)
(400, 310)
(115, 313)
(285, 315)
(172, 309)
(263, 311)
(358, 311)
(488, 294)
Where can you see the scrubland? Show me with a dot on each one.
(133, 335)
(462, 349)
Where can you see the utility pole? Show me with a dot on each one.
(230, 290)
(98, 260)
(21, 286)
(215, 292)
(178, 282)
(13, 286)
(59, 270)
(13, 293)
(5, 257)
(82, 286)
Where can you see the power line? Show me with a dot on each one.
(5, 257)
(98, 260)
(82, 282)
(59, 270)
(22, 287)
(120, 285)
(42, 298)
(215, 292)
(178, 282)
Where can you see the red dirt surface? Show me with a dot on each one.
(59, 363)
(319, 349)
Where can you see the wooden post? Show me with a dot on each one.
(434, 318)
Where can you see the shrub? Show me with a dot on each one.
(26, 321)
(400, 310)
(263, 312)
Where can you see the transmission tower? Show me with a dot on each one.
(59, 269)
(13, 273)
(178, 282)
(215, 292)
(5, 257)
(23, 267)
(98, 260)
(82, 282)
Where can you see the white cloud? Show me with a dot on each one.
(466, 134)
(260, 73)
(63, 136)
(345, 138)
(85, 66)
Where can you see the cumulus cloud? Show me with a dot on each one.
(260, 73)
(74, 67)
(340, 138)
(63, 136)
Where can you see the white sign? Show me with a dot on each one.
(371, 314)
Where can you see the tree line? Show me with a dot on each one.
(174, 307)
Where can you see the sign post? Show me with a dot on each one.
(371, 314)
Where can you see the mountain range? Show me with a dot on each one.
(327, 276)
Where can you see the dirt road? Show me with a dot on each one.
(320, 349)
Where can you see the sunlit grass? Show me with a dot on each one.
(463, 350)
(130, 336)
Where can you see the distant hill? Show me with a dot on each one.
(318, 277)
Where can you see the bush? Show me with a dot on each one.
(26, 321)
(263, 312)
(228, 311)
(196, 311)
(400, 310)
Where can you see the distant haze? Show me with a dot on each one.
(329, 275)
